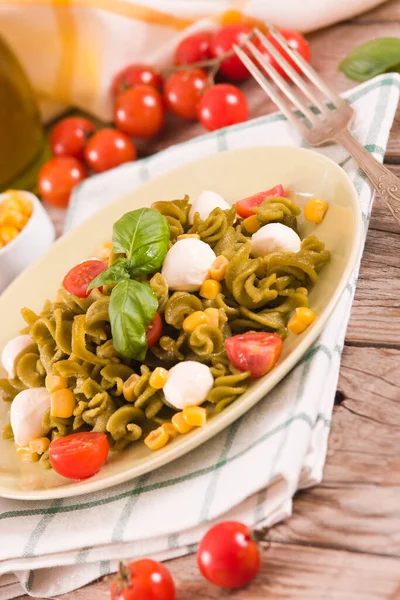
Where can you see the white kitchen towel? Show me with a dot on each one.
(273, 450)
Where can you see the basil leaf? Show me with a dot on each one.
(371, 59)
(117, 272)
(143, 235)
(133, 306)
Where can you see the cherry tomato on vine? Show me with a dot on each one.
(58, 177)
(77, 279)
(153, 331)
(139, 111)
(228, 556)
(183, 91)
(193, 48)
(107, 149)
(143, 579)
(231, 67)
(69, 137)
(296, 41)
(79, 455)
(256, 352)
(222, 105)
(135, 75)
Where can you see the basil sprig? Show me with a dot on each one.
(371, 59)
(142, 236)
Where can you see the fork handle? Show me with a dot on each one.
(387, 184)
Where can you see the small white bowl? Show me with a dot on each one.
(36, 237)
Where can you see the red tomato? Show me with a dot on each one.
(153, 331)
(231, 67)
(78, 278)
(256, 352)
(222, 105)
(244, 208)
(183, 90)
(135, 75)
(143, 579)
(79, 455)
(228, 556)
(139, 111)
(295, 40)
(58, 177)
(193, 48)
(107, 149)
(69, 137)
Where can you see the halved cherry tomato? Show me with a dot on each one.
(228, 556)
(135, 75)
(143, 579)
(78, 278)
(193, 48)
(153, 331)
(79, 455)
(256, 352)
(245, 207)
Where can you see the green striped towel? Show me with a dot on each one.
(275, 449)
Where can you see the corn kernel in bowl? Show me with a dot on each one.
(15, 211)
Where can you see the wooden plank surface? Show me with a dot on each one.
(343, 540)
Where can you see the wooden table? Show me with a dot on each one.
(343, 540)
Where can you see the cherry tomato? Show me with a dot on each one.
(153, 331)
(107, 149)
(135, 75)
(228, 556)
(231, 67)
(183, 90)
(78, 278)
(295, 41)
(256, 352)
(79, 455)
(245, 207)
(139, 111)
(58, 177)
(193, 48)
(222, 105)
(143, 579)
(69, 137)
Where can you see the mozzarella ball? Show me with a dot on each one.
(188, 384)
(26, 414)
(205, 204)
(187, 264)
(274, 236)
(12, 350)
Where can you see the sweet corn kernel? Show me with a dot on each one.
(54, 383)
(251, 224)
(195, 416)
(157, 439)
(62, 404)
(26, 456)
(302, 290)
(186, 236)
(315, 210)
(104, 251)
(8, 233)
(210, 289)
(170, 429)
(25, 204)
(198, 317)
(128, 388)
(212, 316)
(14, 217)
(219, 268)
(301, 319)
(158, 378)
(39, 445)
(180, 424)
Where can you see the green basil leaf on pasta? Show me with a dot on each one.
(143, 235)
(371, 59)
(118, 271)
(133, 306)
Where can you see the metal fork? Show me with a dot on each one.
(318, 126)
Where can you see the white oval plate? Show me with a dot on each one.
(233, 174)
